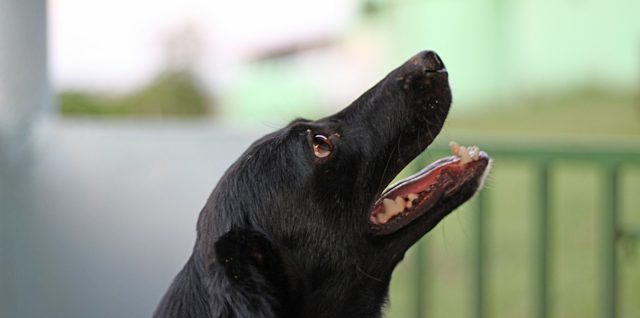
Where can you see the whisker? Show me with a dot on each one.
(386, 167)
(360, 270)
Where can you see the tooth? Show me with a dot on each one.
(400, 202)
(464, 155)
(392, 208)
(406, 203)
(454, 148)
(387, 214)
(388, 204)
(381, 218)
(476, 153)
(411, 197)
(472, 150)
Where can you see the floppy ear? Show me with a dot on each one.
(251, 262)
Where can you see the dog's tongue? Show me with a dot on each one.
(417, 194)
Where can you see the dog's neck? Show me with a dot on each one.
(325, 289)
(349, 294)
(248, 273)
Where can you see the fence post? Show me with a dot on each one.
(479, 255)
(608, 254)
(541, 242)
(419, 290)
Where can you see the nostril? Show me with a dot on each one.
(431, 61)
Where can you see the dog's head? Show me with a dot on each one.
(314, 189)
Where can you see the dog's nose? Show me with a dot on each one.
(430, 61)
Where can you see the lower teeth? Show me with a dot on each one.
(397, 206)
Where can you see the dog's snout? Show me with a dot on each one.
(429, 61)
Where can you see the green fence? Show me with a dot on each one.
(607, 157)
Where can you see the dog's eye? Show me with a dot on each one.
(322, 146)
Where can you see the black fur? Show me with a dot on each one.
(285, 234)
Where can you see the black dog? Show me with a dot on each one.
(299, 226)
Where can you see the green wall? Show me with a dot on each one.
(495, 51)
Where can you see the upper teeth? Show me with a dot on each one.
(395, 207)
(466, 154)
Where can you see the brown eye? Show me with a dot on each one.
(322, 146)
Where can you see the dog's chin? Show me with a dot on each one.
(432, 193)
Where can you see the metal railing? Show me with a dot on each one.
(609, 157)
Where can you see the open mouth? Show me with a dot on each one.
(426, 190)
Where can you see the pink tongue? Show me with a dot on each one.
(429, 187)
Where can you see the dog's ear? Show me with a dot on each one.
(255, 268)
(250, 259)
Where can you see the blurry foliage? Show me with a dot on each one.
(587, 111)
(172, 93)
(372, 7)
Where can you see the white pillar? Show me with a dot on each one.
(24, 95)
(24, 83)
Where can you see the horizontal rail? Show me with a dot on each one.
(537, 149)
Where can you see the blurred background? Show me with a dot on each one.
(118, 117)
